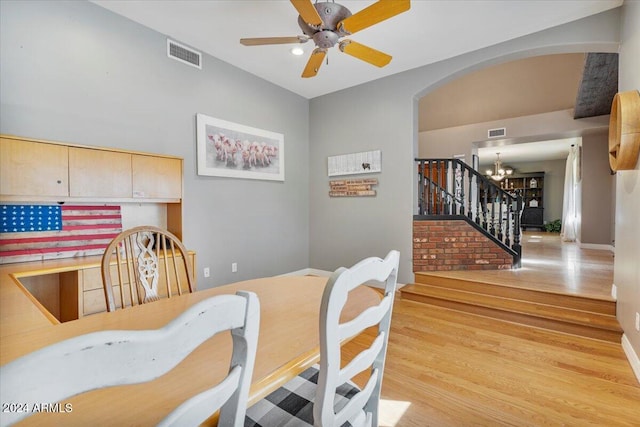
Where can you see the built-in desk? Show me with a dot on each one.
(60, 290)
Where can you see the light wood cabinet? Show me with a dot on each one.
(39, 171)
(156, 177)
(91, 297)
(91, 294)
(99, 173)
(33, 169)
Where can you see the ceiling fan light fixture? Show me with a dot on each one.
(297, 51)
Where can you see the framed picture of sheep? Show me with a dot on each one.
(233, 150)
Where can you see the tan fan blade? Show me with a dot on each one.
(258, 41)
(314, 63)
(365, 53)
(377, 12)
(307, 12)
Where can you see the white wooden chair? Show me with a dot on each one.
(145, 264)
(112, 358)
(336, 400)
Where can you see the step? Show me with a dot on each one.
(576, 302)
(533, 313)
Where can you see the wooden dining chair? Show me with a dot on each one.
(324, 394)
(112, 358)
(143, 264)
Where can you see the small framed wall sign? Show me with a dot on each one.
(352, 187)
(355, 163)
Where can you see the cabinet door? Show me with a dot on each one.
(157, 177)
(99, 173)
(33, 169)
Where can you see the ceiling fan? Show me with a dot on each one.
(327, 22)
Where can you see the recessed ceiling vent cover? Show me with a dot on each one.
(494, 133)
(183, 54)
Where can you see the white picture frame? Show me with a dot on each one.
(355, 163)
(233, 150)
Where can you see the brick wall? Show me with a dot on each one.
(441, 245)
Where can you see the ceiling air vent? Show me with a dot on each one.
(183, 54)
(494, 133)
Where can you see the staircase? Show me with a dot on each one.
(572, 314)
(449, 189)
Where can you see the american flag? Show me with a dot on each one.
(39, 232)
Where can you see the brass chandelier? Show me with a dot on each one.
(499, 172)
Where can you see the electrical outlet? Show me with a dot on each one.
(234, 267)
(207, 272)
(637, 321)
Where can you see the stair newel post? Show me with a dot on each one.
(478, 212)
(509, 224)
(425, 188)
(455, 200)
(462, 197)
(499, 199)
(516, 232)
(429, 180)
(431, 191)
(437, 194)
(492, 218)
(448, 172)
(440, 166)
(485, 207)
(470, 193)
(458, 190)
(421, 190)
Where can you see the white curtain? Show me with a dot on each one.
(568, 230)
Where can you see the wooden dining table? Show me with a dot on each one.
(288, 343)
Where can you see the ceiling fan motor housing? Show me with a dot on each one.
(332, 14)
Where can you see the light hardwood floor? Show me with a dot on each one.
(552, 265)
(447, 368)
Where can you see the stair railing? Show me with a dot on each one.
(450, 187)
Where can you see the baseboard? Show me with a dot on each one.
(597, 247)
(325, 273)
(632, 356)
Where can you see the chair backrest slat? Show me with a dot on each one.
(370, 317)
(362, 360)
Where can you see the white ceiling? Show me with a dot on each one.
(431, 31)
(527, 152)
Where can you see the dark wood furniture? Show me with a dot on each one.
(532, 217)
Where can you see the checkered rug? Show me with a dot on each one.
(292, 404)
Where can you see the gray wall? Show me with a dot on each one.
(596, 190)
(383, 115)
(75, 72)
(626, 274)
